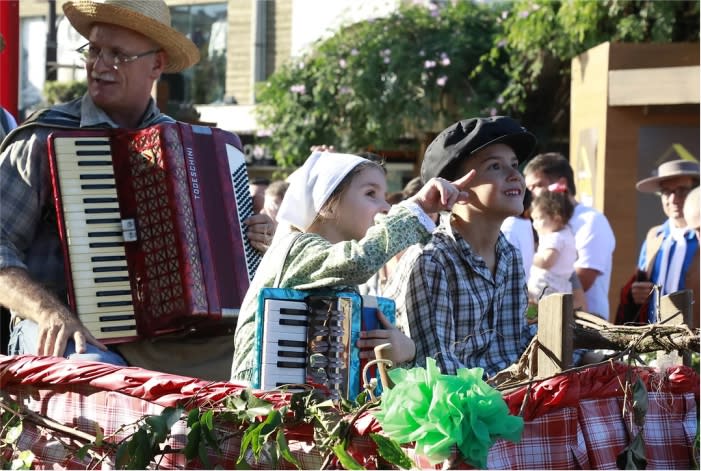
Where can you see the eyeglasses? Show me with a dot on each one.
(90, 54)
(679, 192)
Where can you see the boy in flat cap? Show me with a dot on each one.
(462, 296)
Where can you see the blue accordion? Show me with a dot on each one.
(309, 337)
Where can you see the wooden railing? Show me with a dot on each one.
(561, 329)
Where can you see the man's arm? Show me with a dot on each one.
(587, 276)
(57, 324)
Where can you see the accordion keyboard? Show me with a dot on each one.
(95, 236)
(285, 346)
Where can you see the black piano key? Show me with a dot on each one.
(291, 364)
(100, 210)
(96, 200)
(109, 269)
(114, 303)
(111, 279)
(292, 343)
(97, 176)
(117, 328)
(105, 234)
(93, 163)
(97, 245)
(294, 322)
(108, 258)
(287, 354)
(293, 312)
(91, 141)
(118, 292)
(118, 317)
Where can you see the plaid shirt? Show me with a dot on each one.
(449, 303)
(28, 231)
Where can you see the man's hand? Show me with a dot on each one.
(57, 327)
(640, 290)
(56, 323)
(261, 229)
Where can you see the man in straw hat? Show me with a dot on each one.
(130, 44)
(669, 256)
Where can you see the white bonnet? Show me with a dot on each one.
(312, 184)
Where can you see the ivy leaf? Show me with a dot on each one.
(285, 449)
(13, 434)
(193, 441)
(246, 441)
(171, 415)
(347, 461)
(121, 458)
(202, 453)
(159, 431)
(99, 434)
(640, 402)
(23, 461)
(82, 452)
(206, 429)
(633, 456)
(390, 451)
(192, 417)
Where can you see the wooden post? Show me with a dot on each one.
(555, 321)
(675, 309)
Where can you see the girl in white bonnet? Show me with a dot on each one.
(328, 236)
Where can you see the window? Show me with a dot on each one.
(206, 26)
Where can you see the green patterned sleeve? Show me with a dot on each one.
(314, 262)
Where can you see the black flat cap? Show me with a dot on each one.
(462, 139)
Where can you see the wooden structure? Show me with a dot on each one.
(557, 338)
(633, 106)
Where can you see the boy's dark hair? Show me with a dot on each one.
(554, 203)
(554, 166)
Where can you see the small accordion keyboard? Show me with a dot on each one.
(310, 338)
(150, 223)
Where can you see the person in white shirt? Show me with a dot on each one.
(594, 237)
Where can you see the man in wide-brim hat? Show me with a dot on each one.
(130, 43)
(669, 256)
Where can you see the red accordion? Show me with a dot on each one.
(150, 223)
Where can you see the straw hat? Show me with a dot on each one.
(150, 18)
(667, 170)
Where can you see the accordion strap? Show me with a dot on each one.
(278, 277)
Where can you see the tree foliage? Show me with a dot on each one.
(539, 38)
(417, 70)
(377, 81)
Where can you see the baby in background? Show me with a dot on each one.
(553, 262)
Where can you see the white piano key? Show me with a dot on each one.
(88, 260)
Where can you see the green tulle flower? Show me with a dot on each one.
(437, 411)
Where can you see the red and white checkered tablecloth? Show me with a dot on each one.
(571, 421)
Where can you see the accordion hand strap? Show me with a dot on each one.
(278, 277)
